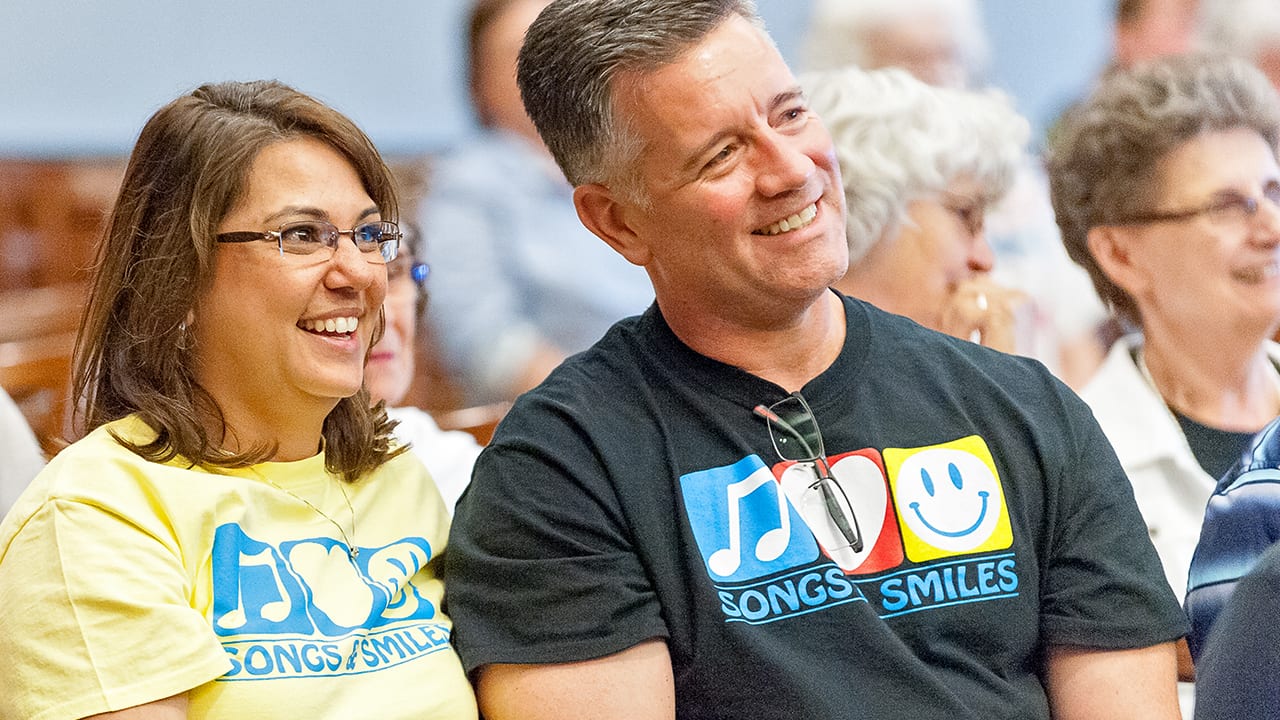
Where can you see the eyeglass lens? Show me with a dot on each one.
(797, 437)
(1241, 207)
(379, 239)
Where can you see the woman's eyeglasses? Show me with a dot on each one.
(795, 435)
(378, 241)
(1229, 208)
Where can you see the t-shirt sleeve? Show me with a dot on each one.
(96, 615)
(1102, 584)
(540, 567)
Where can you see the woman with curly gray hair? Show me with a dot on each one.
(920, 166)
(1167, 190)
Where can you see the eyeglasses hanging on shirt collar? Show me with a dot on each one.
(796, 437)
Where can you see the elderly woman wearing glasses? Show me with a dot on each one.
(1165, 183)
(920, 166)
(237, 535)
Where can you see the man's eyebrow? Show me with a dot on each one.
(783, 98)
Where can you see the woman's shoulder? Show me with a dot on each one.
(94, 460)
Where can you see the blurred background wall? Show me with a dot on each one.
(79, 77)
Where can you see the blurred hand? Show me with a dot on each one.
(989, 314)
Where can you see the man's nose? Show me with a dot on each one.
(784, 165)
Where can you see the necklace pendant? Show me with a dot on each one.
(353, 552)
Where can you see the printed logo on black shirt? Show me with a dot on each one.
(773, 550)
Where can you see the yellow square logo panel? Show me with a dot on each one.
(949, 499)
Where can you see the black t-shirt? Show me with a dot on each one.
(634, 495)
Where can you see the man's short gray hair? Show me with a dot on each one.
(572, 57)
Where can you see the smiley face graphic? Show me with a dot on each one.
(949, 499)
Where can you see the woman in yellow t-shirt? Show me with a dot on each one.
(237, 535)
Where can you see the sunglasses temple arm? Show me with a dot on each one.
(851, 534)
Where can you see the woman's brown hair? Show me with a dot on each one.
(187, 170)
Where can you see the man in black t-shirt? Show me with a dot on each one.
(762, 499)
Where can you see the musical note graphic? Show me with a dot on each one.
(770, 545)
(273, 610)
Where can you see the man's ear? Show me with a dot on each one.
(1110, 246)
(609, 218)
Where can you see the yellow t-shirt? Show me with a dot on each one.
(124, 581)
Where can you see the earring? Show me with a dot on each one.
(185, 341)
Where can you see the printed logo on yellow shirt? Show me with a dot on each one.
(304, 608)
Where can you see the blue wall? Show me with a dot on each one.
(1047, 52)
(79, 77)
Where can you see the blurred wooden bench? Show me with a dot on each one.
(36, 345)
(479, 420)
(51, 215)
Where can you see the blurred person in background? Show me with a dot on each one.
(517, 282)
(238, 530)
(449, 455)
(920, 167)
(943, 43)
(1247, 28)
(1241, 521)
(1149, 29)
(1166, 186)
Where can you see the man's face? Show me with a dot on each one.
(745, 214)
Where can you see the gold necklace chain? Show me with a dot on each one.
(353, 552)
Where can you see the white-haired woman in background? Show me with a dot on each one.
(943, 43)
(939, 41)
(920, 166)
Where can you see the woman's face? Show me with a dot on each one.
(941, 244)
(391, 364)
(261, 346)
(1213, 269)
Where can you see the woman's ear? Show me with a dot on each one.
(1112, 248)
(609, 218)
